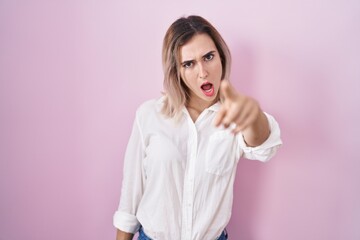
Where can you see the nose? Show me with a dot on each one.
(202, 71)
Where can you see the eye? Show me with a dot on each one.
(209, 57)
(187, 64)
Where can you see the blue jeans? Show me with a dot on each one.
(142, 235)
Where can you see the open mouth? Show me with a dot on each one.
(208, 89)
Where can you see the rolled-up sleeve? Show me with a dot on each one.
(267, 149)
(132, 184)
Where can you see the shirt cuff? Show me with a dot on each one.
(126, 222)
(267, 149)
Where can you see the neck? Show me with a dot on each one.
(199, 104)
(196, 106)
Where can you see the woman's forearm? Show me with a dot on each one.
(258, 132)
(120, 235)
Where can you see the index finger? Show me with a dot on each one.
(226, 90)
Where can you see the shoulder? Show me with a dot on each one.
(149, 108)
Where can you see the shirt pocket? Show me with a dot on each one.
(219, 157)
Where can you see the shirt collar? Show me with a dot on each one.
(215, 107)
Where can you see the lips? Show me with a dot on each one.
(208, 89)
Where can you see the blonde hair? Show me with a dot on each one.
(179, 33)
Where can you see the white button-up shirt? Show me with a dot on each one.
(178, 177)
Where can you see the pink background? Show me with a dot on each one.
(72, 74)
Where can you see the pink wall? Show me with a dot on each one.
(72, 74)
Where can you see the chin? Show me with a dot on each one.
(210, 99)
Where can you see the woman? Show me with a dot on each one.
(181, 159)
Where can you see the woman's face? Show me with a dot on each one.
(201, 69)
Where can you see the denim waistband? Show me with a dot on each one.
(142, 235)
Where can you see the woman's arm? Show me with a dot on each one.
(132, 188)
(257, 132)
(120, 235)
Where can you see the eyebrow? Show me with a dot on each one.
(189, 61)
